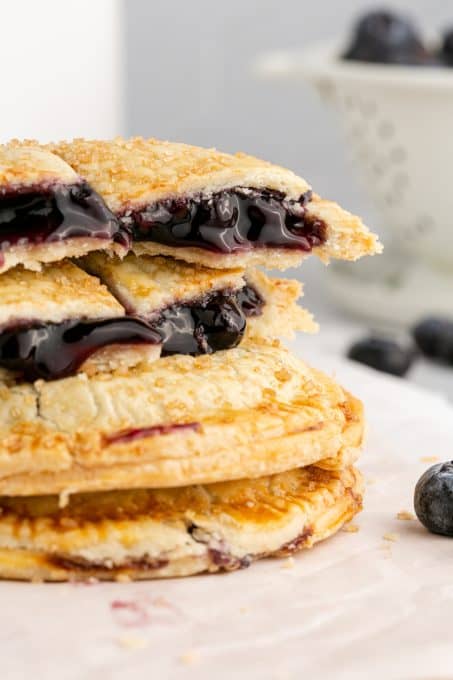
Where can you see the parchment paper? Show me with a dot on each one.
(359, 605)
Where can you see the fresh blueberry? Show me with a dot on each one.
(434, 337)
(433, 499)
(382, 354)
(446, 51)
(386, 38)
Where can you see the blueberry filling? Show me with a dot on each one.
(56, 350)
(229, 222)
(250, 301)
(44, 214)
(208, 326)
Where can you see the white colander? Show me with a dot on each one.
(398, 122)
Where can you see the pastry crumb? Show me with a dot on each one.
(132, 642)
(405, 514)
(190, 657)
(370, 481)
(289, 563)
(390, 537)
(63, 498)
(123, 578)
(350, 528)
(429, 459)
(243, 610)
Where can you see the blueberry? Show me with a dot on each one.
(434, 337)
(433, 499)
(382, 354)
(386, 38)
(446, 51)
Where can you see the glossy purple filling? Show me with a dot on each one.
(230, 221)
(56, 350)
(44, 214)
(127, 436)
(210, 325)
(250, 301)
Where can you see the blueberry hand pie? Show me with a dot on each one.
(48, 212)
(152, 423)
(213, 208)
(156, 533)
(197, 309)
(247, 411)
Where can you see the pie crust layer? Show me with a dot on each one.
(244, 412)
(146, 533)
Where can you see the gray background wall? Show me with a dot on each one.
(188, 77)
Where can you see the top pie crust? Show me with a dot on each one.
(137, 171)
(57, 293)
(146, 285)
(31, 166)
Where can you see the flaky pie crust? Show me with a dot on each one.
(248, 411)
(159, 533)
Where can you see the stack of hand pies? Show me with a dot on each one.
(151, 422)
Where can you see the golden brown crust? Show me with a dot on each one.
(30, 165)
(116, 358)
(249, 411)
(281, 315)
(347, 237)
(137, 171)
(34, 256)
(174, 532)
(273, 258)
(146, 285)
(58, 292)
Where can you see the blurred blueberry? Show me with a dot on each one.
(434, 337)
(382, 354)
(387, 38)
(446, 51)
(433, 499)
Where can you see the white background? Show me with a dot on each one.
(61, 69)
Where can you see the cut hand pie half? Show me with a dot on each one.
(155, 533)
(63, 320)
(60, 320)
(47, 212)
(198, 309)
(245, 412)
(212, 208)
